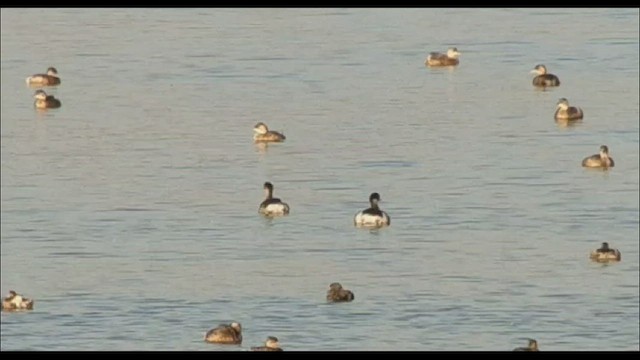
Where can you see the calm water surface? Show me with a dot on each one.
(130, 214)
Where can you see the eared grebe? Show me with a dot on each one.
(533, 346)
(543, 79)
(271, 344)
(601, 160)
(225, 334)
(15, 301)
(605, 254)
(44, 101)
(566, 112)
(372, 216)
(49, 79)
(263, 134)
(337, 294)
(272, 206)
(439, 59)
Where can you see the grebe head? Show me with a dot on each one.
(335, 286)
(374, 198)
(604, 150)
(268, 186)
(40, 95)
(12, 293)
(605, 246)
(453, 53)
(563, 104)
(236, 326)
(52, 71)
(533, 344)
(539, 69)
(272, 342)
(261, 128)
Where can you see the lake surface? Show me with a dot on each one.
(130, 213)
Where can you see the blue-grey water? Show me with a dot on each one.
(130, 213)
